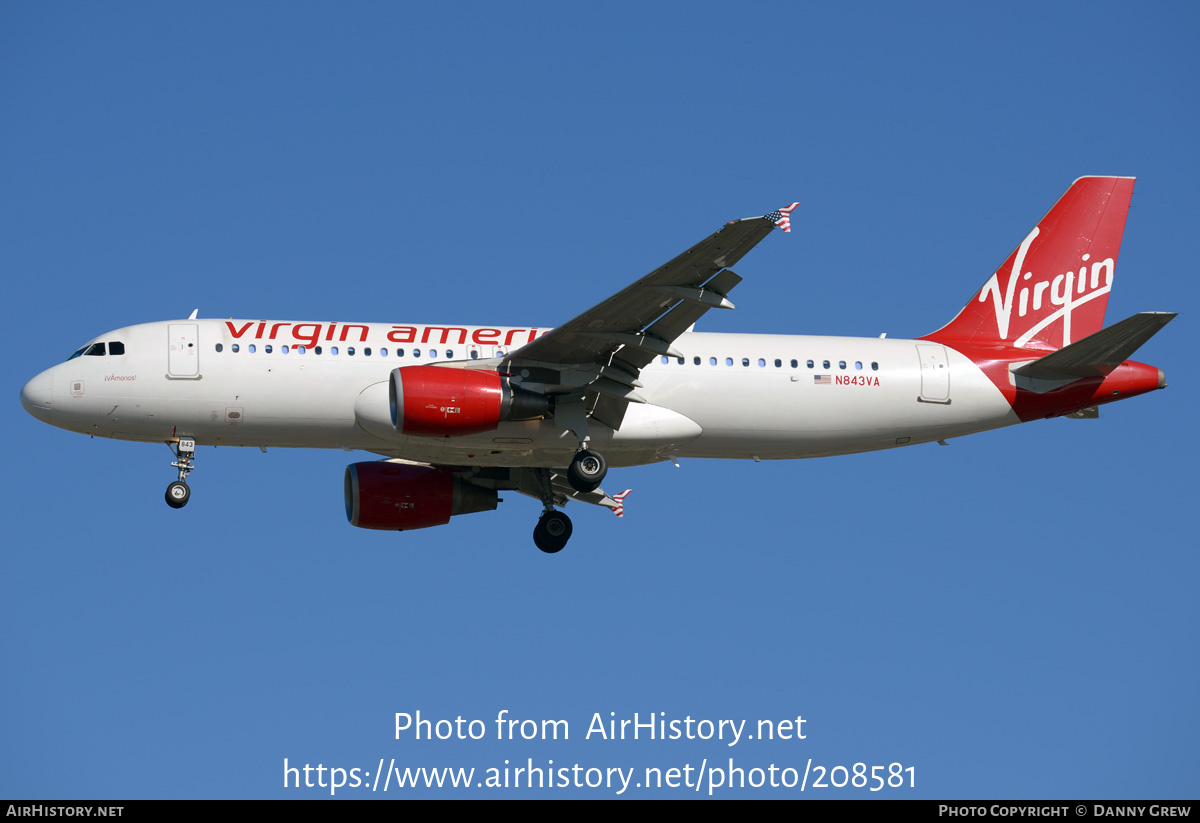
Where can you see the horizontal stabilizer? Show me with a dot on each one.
(1094, 356)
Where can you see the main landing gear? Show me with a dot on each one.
(553, 528)
(178, 492)
(552, 531)
(585, 474)
(587, 470)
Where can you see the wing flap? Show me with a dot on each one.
(610, 411)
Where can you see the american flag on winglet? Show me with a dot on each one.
(619, 511)
(783, 217)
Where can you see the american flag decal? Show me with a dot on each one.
(822, 380)
(619, 511)
(783, 217)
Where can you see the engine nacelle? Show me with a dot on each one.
(401, 496)
(436, 401)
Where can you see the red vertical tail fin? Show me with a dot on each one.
(1053, 289)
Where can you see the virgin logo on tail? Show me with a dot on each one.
(1068, 291)
(1053, 289)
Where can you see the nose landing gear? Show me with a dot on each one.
(178, 492)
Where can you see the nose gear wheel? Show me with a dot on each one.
(178, 492)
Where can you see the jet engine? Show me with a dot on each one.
(402, 496)
(435, 401)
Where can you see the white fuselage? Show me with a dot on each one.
(733, 395)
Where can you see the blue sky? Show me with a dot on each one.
(1013, 615)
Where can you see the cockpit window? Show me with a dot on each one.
(98, 349)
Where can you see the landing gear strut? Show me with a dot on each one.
(178, 492)
(587, 470)
(552, 531)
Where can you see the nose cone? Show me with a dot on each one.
(38, 396)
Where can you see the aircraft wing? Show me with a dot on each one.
(602, 351)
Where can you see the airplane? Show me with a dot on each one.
(462, 413)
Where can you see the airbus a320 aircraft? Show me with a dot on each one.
(463, 412)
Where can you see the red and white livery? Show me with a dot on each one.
(461, 413)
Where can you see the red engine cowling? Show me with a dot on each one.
(435, 401)
(401, 496)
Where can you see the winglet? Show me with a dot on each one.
(783, 217)
(619, 511)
